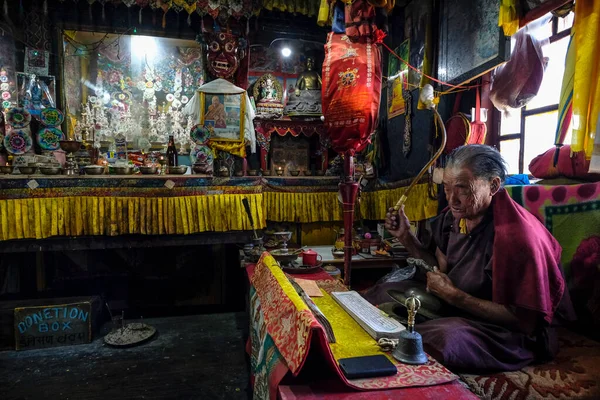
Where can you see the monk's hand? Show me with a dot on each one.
(397, 223)
(439, 284)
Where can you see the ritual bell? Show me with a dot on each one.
(410, 344)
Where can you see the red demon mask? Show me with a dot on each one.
(224, 54)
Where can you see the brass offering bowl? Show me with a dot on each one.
(320, 173)
(122, 170)
(27, 170)
(148, 170)
(307, 173)
(201, 169)
(252, 172)
(70, 146)
(284, 256)
(51, 170)
(294, 173)
(266, 172)
(93, 169)
(239, 173)
(337, 253)
(178, 170)
(6, 169)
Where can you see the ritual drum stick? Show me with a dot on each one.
(439, 121)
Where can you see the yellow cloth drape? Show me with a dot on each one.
(42, 217)
(586, 90)
(38, 218)
(235, 148)
(325, 206)
(419, 206)
(508, 18)
(306, 7)
(324, 16)
(351, 340)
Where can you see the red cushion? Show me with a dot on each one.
(571, 167)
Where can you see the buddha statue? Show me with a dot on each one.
(306, 99)
(309, 79)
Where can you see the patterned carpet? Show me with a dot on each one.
(573, 374)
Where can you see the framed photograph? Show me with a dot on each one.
(224, 113)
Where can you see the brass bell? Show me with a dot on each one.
(410, 343)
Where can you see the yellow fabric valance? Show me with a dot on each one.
(418, 206)
(39, 218)
(325, 206)
(45, 215)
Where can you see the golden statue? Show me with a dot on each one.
(307, 99)
(309, 79)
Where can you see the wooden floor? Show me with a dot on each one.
(193, 357)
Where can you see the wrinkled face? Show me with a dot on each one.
(215, 100)
(222, 55)
(468, 196)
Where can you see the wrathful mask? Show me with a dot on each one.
(224, 54)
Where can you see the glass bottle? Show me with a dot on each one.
(171, 152)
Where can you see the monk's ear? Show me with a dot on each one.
(495, 185)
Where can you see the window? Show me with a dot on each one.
(530, 131)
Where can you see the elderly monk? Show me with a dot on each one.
(496, 264)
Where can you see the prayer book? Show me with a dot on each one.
(370, 318)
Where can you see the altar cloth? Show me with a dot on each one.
(282, 328)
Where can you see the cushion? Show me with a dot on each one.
(573, 374)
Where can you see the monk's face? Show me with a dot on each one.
(468, 196)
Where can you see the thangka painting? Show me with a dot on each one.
(473, 41)
(221, 113)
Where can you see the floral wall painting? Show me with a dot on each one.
(221, 113)
(136, 85)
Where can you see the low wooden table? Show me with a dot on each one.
(360, 260)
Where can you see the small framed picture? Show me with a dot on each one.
(224, 113)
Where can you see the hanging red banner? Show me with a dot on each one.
(351, 91)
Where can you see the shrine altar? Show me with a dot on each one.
(39, 206)
(265, 128)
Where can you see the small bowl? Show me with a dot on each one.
(148, 170)
(239, 173)
(178, 170)
(279, 172)
(6, 169)
(122, 170)
(320, 173)
(337, 253)
(307, 173)
(94, 170)
(51, 170)
(27, 170)
(294, 173)
(224, 174)
(252, 172)
(200, 169)
(266, 172)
